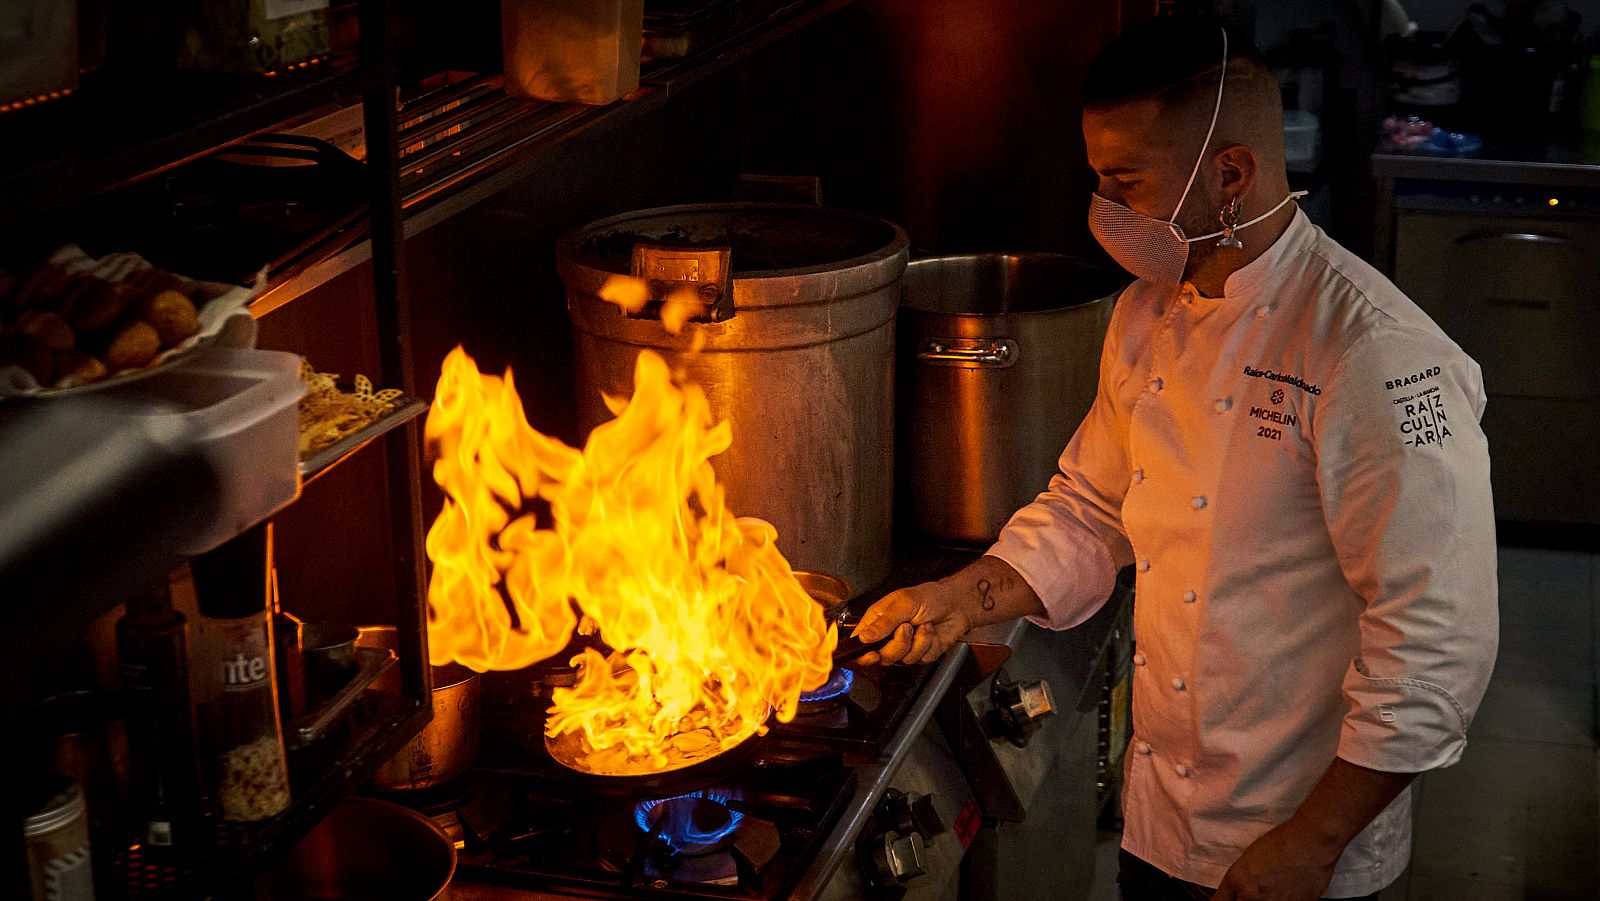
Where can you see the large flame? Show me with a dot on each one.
(709, 630)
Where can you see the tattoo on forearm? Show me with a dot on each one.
(983, 592)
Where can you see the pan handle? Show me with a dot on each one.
(851, 647)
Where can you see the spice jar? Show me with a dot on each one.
(58, 843)
(241, 731)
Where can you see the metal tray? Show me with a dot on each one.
(313, 726)
(404, 410)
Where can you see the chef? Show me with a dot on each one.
(1287, 451)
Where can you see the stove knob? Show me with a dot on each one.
(909, 814)
(1019, 708)
(901, 859)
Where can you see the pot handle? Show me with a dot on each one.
(706, 271)
(971, 353)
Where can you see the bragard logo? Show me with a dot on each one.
(1427, 373)
(1284, 377)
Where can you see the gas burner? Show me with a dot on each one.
(693, 823)
(839, 682)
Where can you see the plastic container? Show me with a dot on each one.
(241, 407)
(57, 833)
(579, 51)
(1301, 137)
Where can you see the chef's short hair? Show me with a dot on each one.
(1171, 59)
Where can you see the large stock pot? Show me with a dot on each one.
(797, 351)
(999, 362)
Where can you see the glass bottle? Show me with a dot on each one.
(241, 731)
(153, 654)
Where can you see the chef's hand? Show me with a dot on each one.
(1286, 864)
(925, 620)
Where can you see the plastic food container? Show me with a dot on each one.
(578, 51)
(241, 408)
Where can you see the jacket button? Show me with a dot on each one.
(1181, 770)
(1138, 476)
(1224, 404)
(1144, 566)
(1155, 384)
(1189, 597)
(1265, 310)
(1142, 747)
(1138, 660)
(1199, 502)
(1177, 683)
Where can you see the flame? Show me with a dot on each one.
(708, 629)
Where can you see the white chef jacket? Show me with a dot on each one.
(1297, 473)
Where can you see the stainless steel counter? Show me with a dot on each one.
(1558, 162)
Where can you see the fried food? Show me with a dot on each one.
(67, 322)
(328, 414)
(46, 329)
(78, 368)
(172, 315)
(134, 346)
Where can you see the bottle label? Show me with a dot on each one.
(242, 673)
(158, 834)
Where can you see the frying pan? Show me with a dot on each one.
(567, 750)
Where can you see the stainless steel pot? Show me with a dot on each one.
(365, 848)
(798, 333)
(448, 743)
(998, 360)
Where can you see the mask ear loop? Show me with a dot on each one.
(1215, 112)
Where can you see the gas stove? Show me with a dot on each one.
(522, 820)
(865, 795)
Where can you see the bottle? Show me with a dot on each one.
(241, 731)
(153, 654)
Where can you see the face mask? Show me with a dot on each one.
(1153, 249)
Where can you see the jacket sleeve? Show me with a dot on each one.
(1069, 542)
(1403, 473)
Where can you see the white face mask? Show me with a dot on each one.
(1153, 249)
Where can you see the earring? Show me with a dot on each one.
(1230, 221)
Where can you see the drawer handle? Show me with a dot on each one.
(985, 353)
(1519, 237)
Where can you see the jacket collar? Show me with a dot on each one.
(1295, 240)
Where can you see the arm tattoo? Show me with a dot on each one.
(983, 592)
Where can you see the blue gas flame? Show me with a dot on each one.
(680, 831)
(839, 683)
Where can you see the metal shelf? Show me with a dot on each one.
(320, 461)
(509, 141)
(113, 132)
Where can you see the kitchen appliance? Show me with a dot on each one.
(796, 319)
(999, 362)
(1506, 271)
(865, 794)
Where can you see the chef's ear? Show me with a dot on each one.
(1235, 168)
